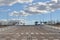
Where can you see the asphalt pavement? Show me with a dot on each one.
(39, 32)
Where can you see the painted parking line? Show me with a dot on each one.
(55, 39)
(50, 33)
(51, 37)
(35, 39)
(24, 39)
(22, 33)
(13, 39)
(36, 33)
(27, 33)
(18, 34)
(32, 33)
(45, 39)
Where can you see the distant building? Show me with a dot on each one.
(51, 22)
(11, 22)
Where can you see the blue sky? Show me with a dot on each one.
(34, 15)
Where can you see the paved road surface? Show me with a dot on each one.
(29, 33)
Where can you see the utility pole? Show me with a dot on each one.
(51, 18)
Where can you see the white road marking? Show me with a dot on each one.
(18, 34)
(32, 33)
(56, 39)
(36, 33)
(22, 33)
(27, 33)
(34, 39)
(24, 39)
(13, 39)
(45, 39)
(46, 33)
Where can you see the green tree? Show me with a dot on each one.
(36, 22)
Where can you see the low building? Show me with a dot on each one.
(11, 22)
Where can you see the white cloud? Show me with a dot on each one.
(14, 13)
(55, 1)
(20, 13)
(7, 2)
(42, 7)
(23, 13)
(39, 7)
(22, 1)
(11, 2)
(33, 8)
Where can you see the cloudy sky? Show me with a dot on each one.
(30, 10)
